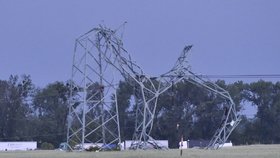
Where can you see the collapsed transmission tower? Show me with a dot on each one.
(230, 119)
(93, 111)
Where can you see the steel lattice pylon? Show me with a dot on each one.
(230, 118)
(93, 112)
(102, 54)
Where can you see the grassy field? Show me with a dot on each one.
(254, 151)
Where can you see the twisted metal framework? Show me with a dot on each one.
(93, 112)
(230, 118)
(106, 50)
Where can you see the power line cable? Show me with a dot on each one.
(243, 76)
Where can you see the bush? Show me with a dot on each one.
(47, 146)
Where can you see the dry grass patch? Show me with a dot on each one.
(254, 151)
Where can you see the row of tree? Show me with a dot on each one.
(39, 114)
(29, 113)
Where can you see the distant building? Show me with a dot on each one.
(12, 146)
(199, 144)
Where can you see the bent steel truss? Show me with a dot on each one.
(93, 109)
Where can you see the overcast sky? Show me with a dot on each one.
(229, 36)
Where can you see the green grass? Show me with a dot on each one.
(254, 151)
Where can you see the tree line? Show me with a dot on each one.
(29, 113)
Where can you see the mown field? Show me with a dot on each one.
(254, 151)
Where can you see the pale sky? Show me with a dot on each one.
(229, 36)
